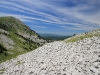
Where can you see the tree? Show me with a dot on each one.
(74, 34)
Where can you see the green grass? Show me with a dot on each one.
(20, 47)
(9, 23)
(10, 56)
(77, 38)
(22, 44)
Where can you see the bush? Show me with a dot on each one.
(2, 49)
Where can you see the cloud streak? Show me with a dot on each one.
(69, 14)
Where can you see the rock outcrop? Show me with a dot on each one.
(16, 38)
(58, 58)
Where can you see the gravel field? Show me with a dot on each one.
(57, 58)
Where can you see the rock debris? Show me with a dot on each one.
(57, 58)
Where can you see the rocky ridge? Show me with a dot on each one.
(10, 24)
(16, 38)
(58, 58)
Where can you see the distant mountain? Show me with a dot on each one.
(16, 38)
(53, 36)
(46, 34)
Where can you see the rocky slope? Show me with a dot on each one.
(16, 38)
(58, 58)
(82, 36)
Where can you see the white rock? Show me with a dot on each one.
(58, 58)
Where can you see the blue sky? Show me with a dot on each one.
(63, 17)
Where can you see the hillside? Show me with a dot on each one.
(16, 38)
(79, 57)
(82, 36)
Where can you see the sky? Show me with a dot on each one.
(62, 17)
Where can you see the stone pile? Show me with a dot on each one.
(57, 58)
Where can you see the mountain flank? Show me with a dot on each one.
(78, 57)
(16, 38)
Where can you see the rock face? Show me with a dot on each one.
(58, 58)
(11, 25)
(16, 38)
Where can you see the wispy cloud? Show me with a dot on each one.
(69, 14)
(40, 26)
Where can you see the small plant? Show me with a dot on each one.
(5, 53)
(18, 62)
(2, 71)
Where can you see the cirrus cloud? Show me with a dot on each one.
(66, 14)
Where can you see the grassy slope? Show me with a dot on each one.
(22, 44)
(82, 36)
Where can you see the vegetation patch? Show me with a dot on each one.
(2, 49)
(2, 71)
(20, 34)
(82, 36)
(18, 62)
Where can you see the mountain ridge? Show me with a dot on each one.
(17, 38)
(53, 37)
